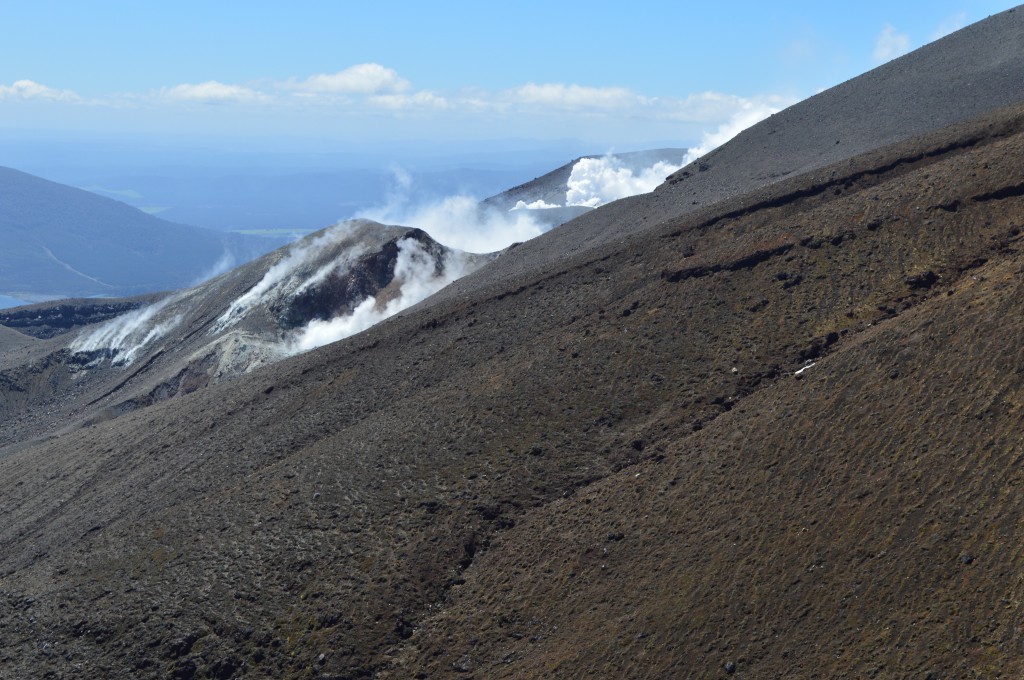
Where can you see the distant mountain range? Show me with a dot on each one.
(59, 241)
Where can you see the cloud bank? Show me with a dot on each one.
(373, 96)
(573, 97)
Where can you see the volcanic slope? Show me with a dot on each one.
(965, 74)
(428, 498)
(412, 501)
(11, 339)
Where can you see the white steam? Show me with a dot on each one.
(415, 273)
(539, 204)
(749, 114)
(224, 263)
(596, 181)
(127, 335)
(286, 277)
(461, 222)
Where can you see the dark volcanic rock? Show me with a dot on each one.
(341, 291)
(48, 319)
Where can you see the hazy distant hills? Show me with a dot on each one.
(239, 193)
(763, 422)
(59, 241)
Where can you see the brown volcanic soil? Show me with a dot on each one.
(862, 522)
(858, 521)
(435, 497)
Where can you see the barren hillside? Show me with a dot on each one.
(772, 434)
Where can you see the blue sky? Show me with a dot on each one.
(372, 71)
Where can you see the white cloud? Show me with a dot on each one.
(213, 92)
(402, 102)
(373, 92)
(950, 25)
(367, 79)
(890, 44)
(29, 89)
(560, 96)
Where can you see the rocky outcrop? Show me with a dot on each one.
(341, 290)
(49, 319)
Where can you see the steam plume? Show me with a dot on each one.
(127, 335)
(461, 222)
(596, 181)
(415, 272)
(286, 274)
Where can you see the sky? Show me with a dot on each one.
(273, 73)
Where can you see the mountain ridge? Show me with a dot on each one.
(66, 242)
